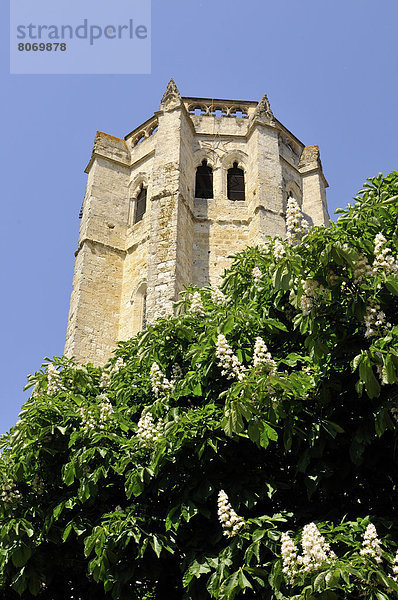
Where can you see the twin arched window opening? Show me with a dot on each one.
(140, 206)
(235, 182)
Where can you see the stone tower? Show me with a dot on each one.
(165, 206)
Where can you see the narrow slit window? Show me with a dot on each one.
(139, 305)
(144, 319)
(204, 181)
(236, 183)
(140, 206)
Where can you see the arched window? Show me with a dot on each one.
(235, 183)
(204, 181)
(140, 207)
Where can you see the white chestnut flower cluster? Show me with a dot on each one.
(265, 245)
(262, 356)
(314, 293)
(375, 320)
(38, 485)
(36, 391)
(296, 225)
(176, 373)
(91, 421)
(9, 492)
(257, 274)
(217, 296)
(119, 364)
(384, 260)
(197, 304)
(230, 521)
(289, 554)
(54, 385)
(227, 360)
(105, 411)
(371, 544)
(149, 432)
(362, 269)
(315, 549)
(159, 381)
(279, 249)
(105, 379)
(395, 567)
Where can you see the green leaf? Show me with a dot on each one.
(367, 376)
(67, 531)
(156, 545)
(68, 473)
(21, 556)
(392, 285)
(389, 374)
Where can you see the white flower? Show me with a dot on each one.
(230, 364)
(38, 485)
(88, 421)
(9, 493)
(262, 356)
(314, 294)
(176, 374)
(217, 295)
(105, 380)
(362, 269)
(149, 432)
(197, 304)
(289, 553)
(279, 249)
(375, 320)
(106, 412)
(384, 260)
(230, 521)
(371, 544)
(160, 383)
(94, 419)
(257, 274)
(119, 364)
(315, 549)
(54, 385)
(395, 567)
(264, 245)
(296, 225)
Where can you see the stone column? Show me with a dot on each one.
(314, 186)
(171, 227)
(93, 322)
(266, 201)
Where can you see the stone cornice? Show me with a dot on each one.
(310, 170)
(108, 158)
(90, 241)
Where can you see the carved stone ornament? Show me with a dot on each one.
(263, 111)
(171, 98)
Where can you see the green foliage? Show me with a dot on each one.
(111, 476)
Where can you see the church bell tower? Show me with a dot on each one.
(164, 207)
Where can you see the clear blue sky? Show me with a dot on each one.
(330, 71)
